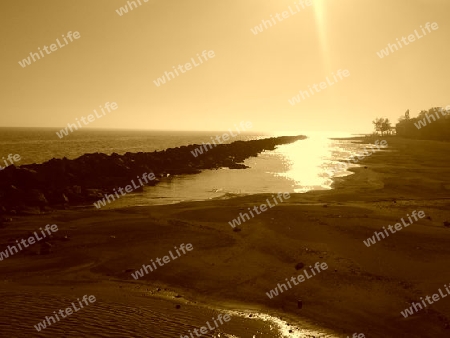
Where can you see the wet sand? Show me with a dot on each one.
(363, 290)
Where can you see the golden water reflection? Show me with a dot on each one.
(311, 163)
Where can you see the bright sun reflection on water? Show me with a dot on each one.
(309, 163)
(305, 165)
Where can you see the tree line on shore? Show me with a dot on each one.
(431, 124)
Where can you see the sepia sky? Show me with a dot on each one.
(250, 78)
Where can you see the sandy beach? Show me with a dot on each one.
(363, 290)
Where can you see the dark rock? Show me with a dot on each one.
(299, 266)
(54, 197)
(59, 183)
(93, 193)
(35, 197)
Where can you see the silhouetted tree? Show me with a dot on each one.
(382, 125)
(405, 117)
(377, 124)
(386, 126)
(431, 124)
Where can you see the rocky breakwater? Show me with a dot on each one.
(60, 183)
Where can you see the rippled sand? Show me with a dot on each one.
(131, 313)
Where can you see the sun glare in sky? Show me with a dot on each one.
(319, 9)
